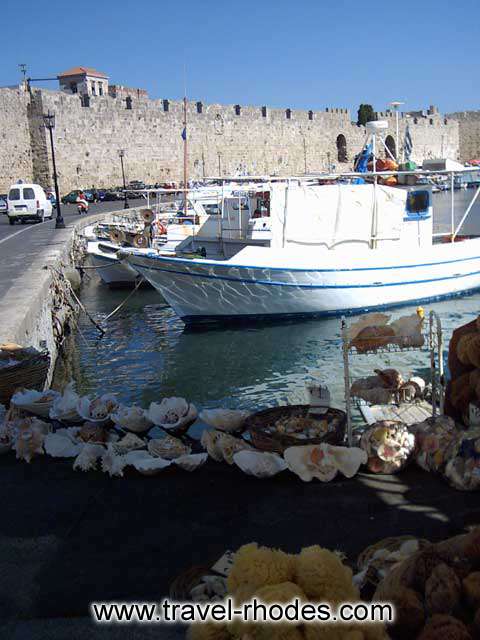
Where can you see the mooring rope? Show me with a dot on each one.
(140, 282)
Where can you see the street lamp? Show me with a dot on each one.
(49, 122)
(395, 104)
(121, 153)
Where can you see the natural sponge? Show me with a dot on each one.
(441, 627)
(322, 576)
(260, 566)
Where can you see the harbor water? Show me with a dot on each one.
(147, 353)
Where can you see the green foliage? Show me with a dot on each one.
(365, 114)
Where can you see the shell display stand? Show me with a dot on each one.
(384, 344)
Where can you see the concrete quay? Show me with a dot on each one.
(26, 253)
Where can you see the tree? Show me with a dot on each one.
(365, 114)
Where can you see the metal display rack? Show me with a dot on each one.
(433, 343)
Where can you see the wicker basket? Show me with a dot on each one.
(391, 544)
(31, 371)
(257, 425)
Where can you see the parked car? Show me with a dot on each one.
(28, 202)
(110, 196)
(3, 203)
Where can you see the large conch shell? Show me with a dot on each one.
(112, 463)
(192, 461)
(259, 464)
(29, 438)
(131, 418)
(128, 443)
(210, 442)
(37, 402)
(228, 420)
(98, 409)
(172, 413)
(324, 461)
(228, 446)
(168, 447)
(63, 443)
(88, 457)
(408, 330)
(64, 407)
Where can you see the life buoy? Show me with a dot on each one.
(160, 228)
(147, 215)
(117, 236)
(140, 241)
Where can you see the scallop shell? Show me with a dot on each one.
(37, 402)
(97, 409)
(228, 446)
(192, 461)
(61, 445)
(209, 442)
(150, 466)
(171, 413)
(128, 443)
(91, 432)
(29, 439)
(88, 457)
(112, 463)
(64, 407)
(259, 464)
(324, 461)
(168, 447)
(131, 418)
(228, 420)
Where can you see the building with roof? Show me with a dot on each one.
(84, 81)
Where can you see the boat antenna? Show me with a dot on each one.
(184, 136)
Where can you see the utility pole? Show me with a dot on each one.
(49, 122)
(121, 153)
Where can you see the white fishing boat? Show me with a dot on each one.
(113, 272)
(334, 249)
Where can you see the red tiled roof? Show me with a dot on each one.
(80, 71)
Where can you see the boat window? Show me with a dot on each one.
(242, 202)
(212, 209)
(418, 201)
(14, 194)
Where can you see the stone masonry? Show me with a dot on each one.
(469, 134)
(222, 139)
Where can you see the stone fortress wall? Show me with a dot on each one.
(469, 133)
(222, 139)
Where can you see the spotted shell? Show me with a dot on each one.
(91, 432)
(168, 447)
(131, 418)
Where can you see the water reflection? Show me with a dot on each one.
(147, 353)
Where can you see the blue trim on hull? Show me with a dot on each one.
(270, 283)
(154, 256)
(281, 317)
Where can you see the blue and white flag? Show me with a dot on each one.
(407, 143)
(184, 133)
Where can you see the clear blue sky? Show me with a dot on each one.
(304, 54)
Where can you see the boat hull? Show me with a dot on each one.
(112, 272)
(207, 290)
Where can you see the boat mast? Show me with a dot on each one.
(185, 157)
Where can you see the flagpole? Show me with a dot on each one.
(185, 177)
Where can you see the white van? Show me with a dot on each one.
(28, 202)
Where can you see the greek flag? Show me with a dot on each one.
(407, 143)
(184, 133)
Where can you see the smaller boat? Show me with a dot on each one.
(115, 274)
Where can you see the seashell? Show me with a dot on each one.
(130, 442)
(215, 585)
(390, 378)
(88, 457)
(168, 447)
(134, 456)
(228, 446)
(64, 407)
(367, 320)
(192, 461)
(228, 420)
(61, 445)
(36, 402)
(29, 437)
(408, 330)
(323, 461)
(172, 413)
(150, 466)
(209, 442)
(131, 418)
(259, 464)
(98, 409)
(112, 463)
(91, 432)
